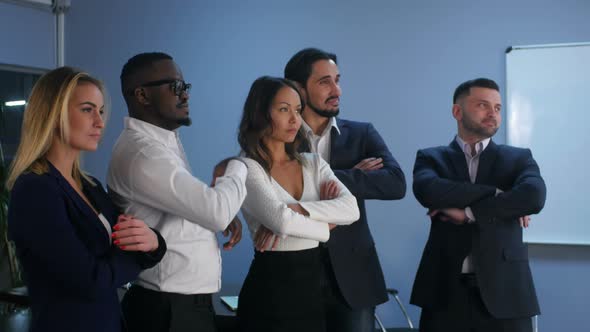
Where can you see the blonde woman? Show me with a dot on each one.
(74, 247)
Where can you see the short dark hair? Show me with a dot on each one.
(464, 88)
(137, 63)
(257, 122)
(298, 69)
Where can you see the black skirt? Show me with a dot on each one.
(282, 292)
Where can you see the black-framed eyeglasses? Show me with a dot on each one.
(178, 86)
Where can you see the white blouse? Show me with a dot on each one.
(266, 204)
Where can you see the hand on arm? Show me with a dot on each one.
(329, 190)
(454, 215)
(339, 207)
(459, 217)
(370, 164)
(265, 239)
(524, 221)
(235, 226)
(378, 175)
(219, 169)
(525, 197)
(234, 231)
(134, 235)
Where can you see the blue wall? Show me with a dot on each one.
(27, 36)
(400, 62)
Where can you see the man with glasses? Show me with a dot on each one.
(149, 178)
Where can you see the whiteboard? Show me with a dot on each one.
(548, 98)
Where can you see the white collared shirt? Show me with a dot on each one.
(472, 160)
(321, 143)
(149, 178)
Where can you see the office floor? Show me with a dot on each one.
(14, 320)
(19, 319)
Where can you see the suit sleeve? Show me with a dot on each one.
(48, 244)
(526, 197)
(386, 183)
(149, 259)
(435, 192)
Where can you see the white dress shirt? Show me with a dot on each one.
(472, 159)
(149, 178)
(267, 201)
(321, 143)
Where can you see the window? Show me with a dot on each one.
(15, 86)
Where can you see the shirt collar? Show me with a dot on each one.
(479, 146)
(329, 127)
(168, 137)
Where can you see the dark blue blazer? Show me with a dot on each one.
(441, 180)
(70, 267)
(352, 250)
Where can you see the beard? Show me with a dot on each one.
(184, 122)
(477, 129)
(323, 112)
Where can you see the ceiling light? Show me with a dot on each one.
(15, 103)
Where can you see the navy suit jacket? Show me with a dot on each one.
(441, 180)
(351, 248)
(70, 267)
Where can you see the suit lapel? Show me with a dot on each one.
(486, 161)
(457, 157)
(100, 201)
(337, 142)
(69, 191)
(78, 203)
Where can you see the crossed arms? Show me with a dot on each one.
(378, 176)
(263, 204)
(436, 192)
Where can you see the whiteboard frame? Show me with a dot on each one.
(509, 113)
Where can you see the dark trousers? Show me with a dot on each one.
(281, 293)
(466, 312)
(145, 310)
(340, 317)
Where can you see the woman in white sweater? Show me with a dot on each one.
(294, 200)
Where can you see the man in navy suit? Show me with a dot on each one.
(353, 283)
(474, 273)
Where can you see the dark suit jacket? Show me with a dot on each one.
(352, 250)
(441, 180)
(70, 267)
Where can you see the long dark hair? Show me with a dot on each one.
(256, 121)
